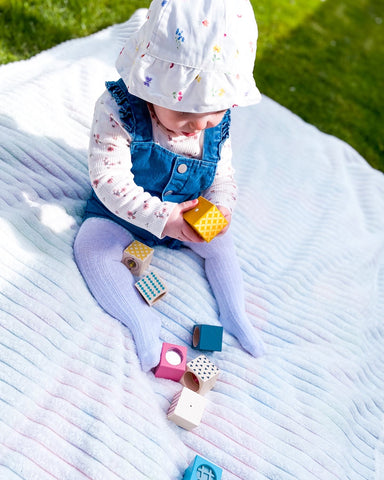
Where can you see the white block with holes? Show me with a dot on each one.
(201, 375)
(187, 408)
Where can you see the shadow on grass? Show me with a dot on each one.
(329, 71)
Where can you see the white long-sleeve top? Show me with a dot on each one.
(114, 184)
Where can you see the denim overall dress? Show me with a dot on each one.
(165, 174)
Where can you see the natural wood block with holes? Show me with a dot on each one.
(137, 257)
(200, 375)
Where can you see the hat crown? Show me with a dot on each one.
(193, 56)
(202, 34)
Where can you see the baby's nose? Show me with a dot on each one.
(198, 125)
(202, 123)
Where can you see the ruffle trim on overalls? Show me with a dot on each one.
(119, 92)
(225, 127)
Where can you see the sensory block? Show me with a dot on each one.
(152, 288)
(173, 361)
(206, 219)
(137, 257)
(186, 409)
(202, 469)
(201, 375)
(207, 337)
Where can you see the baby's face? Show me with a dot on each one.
(187, 124)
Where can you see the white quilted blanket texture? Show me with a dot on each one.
(309, 230)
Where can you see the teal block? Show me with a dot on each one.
(207, 337)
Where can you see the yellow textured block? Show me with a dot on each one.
(206, 219)
(137, 257)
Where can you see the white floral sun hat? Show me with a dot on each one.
(193, 55)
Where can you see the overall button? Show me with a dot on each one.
(166, 194)
(182, 168)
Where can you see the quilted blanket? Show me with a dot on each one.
(309, 230)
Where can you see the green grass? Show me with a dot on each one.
(28, 27)
(321, 59)
(326, 65)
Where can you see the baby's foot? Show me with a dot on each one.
(149, 355)
(252, 344)
(245, 333)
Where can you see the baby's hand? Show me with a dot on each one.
(228, 216)
(177, 227)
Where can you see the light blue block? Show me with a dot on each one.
(202, 469)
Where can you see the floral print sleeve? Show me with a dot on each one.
(110, 166)
(223, 190)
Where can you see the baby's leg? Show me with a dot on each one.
(225, 277)
(98, 250)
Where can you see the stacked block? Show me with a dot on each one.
(207, 337)
(137, 257)
(173, 360)
(201, 375)
(187, 409)
(206, 219)
(188, 405)
(151, 287)
(202, 469)
(197, 377)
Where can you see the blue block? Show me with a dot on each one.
(207, 337)
(202, 469)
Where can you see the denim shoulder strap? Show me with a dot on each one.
(214, 139)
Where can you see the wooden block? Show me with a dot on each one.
(202, 469)
(186, 409)
(137, 257)
(207, 337)
(173, 362)
(206, 219)
(152, 288)
(201, 375)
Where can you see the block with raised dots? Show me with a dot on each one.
(206, 219)
(186, 409)
(200, 375)
(173, 362)
(202, 469)
(137, 257)
(207, 337)
(151, 287)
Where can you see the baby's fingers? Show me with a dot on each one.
(189, 235)
(188, 205)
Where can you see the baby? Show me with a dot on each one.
(160, 138)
